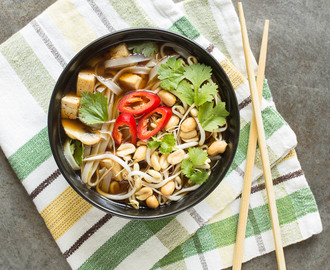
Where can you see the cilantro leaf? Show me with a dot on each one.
(212, 118)
(147, 48)
(171, 73)
(197, 74)
(154, 143)
(168, 141)
(206, 93)
(185, 92)
(187, 167)
(197, 156)
(199, 177)
(94, 108)
(78, 153)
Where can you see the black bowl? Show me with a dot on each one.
(66, 83)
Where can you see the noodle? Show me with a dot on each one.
(133, 171)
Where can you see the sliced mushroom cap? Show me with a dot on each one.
(76, 130)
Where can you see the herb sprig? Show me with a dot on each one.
(94, 108)
(192, 85)
(165, 144)
(188, 166)
(147, 48)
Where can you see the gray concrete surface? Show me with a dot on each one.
(298, 74)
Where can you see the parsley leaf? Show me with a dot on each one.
(197, 156)
(94, 108)
(147, 48)
(154, 143)
(171, 73)
(77, 149)
(166, 143)
(199, 177)
(187, 167)
(197, 74)
(206, 93)
(185, 92)
(212, 118)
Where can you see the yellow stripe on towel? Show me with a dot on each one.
(78, 33)
(234, 76)
(291, 154)
(63, 212)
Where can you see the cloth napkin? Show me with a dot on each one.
(200, 238)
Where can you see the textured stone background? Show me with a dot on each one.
(298, 74)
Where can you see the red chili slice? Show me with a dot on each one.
(138, 102)
(125, 126)
(160, 116)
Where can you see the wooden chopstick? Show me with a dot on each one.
(243, 215)
(262, 143)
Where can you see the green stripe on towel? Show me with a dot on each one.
(184, 27)
(197, 10)
(134, 234)
(31, 155)
(224, 231)
(29, 68)
(132, 13)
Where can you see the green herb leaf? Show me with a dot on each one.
(154, 143)
(199, 177)
(185, 92)
(72, 147)
(206, 93)
(212, 118)
(147, 48)
(197, 156)
(168, 141)
(187, 167)
(171, 73)
(78, 152)
(197, 74)
(94, 108)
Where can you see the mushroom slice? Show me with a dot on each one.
(76, 130)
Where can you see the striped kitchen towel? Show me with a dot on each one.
(200, 238)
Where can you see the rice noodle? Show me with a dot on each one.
(176, 197)
(110, 84)
(116, 197)
(111, 156)
(182, 52)
(134, 69)
(125, 61)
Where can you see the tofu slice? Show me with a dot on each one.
(119, 51)
(70, 106)
(131, 81)
(85, 82)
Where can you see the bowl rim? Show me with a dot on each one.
(51, 116)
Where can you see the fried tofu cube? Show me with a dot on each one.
(119, 51)
(85, 82)
(70, 106)
(131, 81)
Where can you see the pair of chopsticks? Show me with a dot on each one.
(256, 132)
